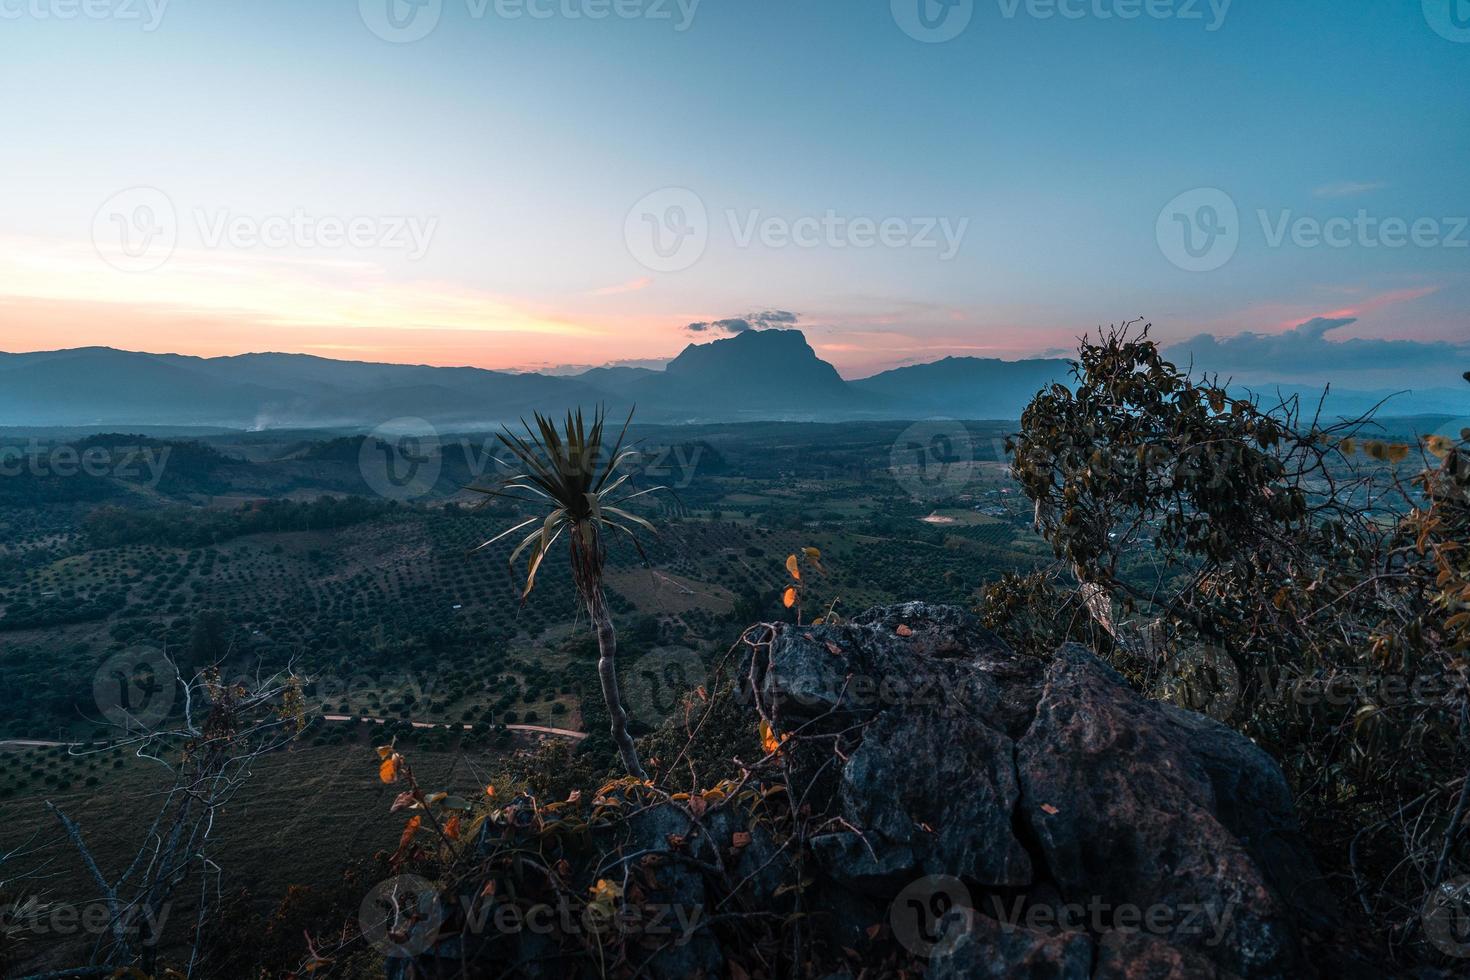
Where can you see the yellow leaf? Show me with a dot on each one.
(812, 553)
(793, 568)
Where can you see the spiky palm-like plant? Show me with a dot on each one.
(568, 472)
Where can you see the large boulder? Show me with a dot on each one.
(959, 810)
(1067, 804)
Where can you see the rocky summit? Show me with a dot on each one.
(956, 810)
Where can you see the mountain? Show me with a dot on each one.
(103, 386)
(99, 385)
(965, 387)
(753, 375)
(617, 380)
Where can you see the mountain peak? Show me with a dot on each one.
(772, 368)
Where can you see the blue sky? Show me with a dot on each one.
(519, 144)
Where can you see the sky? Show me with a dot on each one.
(534, 184)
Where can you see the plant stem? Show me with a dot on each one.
(607, 648)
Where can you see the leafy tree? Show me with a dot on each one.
(1279, 572)
(568, 473)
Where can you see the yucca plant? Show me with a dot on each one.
(568, 472)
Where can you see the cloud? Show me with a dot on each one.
(632, 286)
(1306, 350)
(751, 321)
(1348, 188)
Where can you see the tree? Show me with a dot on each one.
(1168, 495)
(1317, 571)
(569, 473)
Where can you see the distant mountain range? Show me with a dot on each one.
(757, 374)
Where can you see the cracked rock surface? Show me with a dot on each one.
(1098, 833)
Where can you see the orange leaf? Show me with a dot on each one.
(792, 567)
(769, 742)
(388, 771)
(1049, 809)
(904, 630)
(490, 790)
(788, 598)
(451, 829)
(408, 831)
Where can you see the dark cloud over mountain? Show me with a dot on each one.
(1307, 350)
(751, 321)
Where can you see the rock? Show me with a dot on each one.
(1127, 955)
(1075, 828)
(979, 948)
(1125, 812)
(1009, 773)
